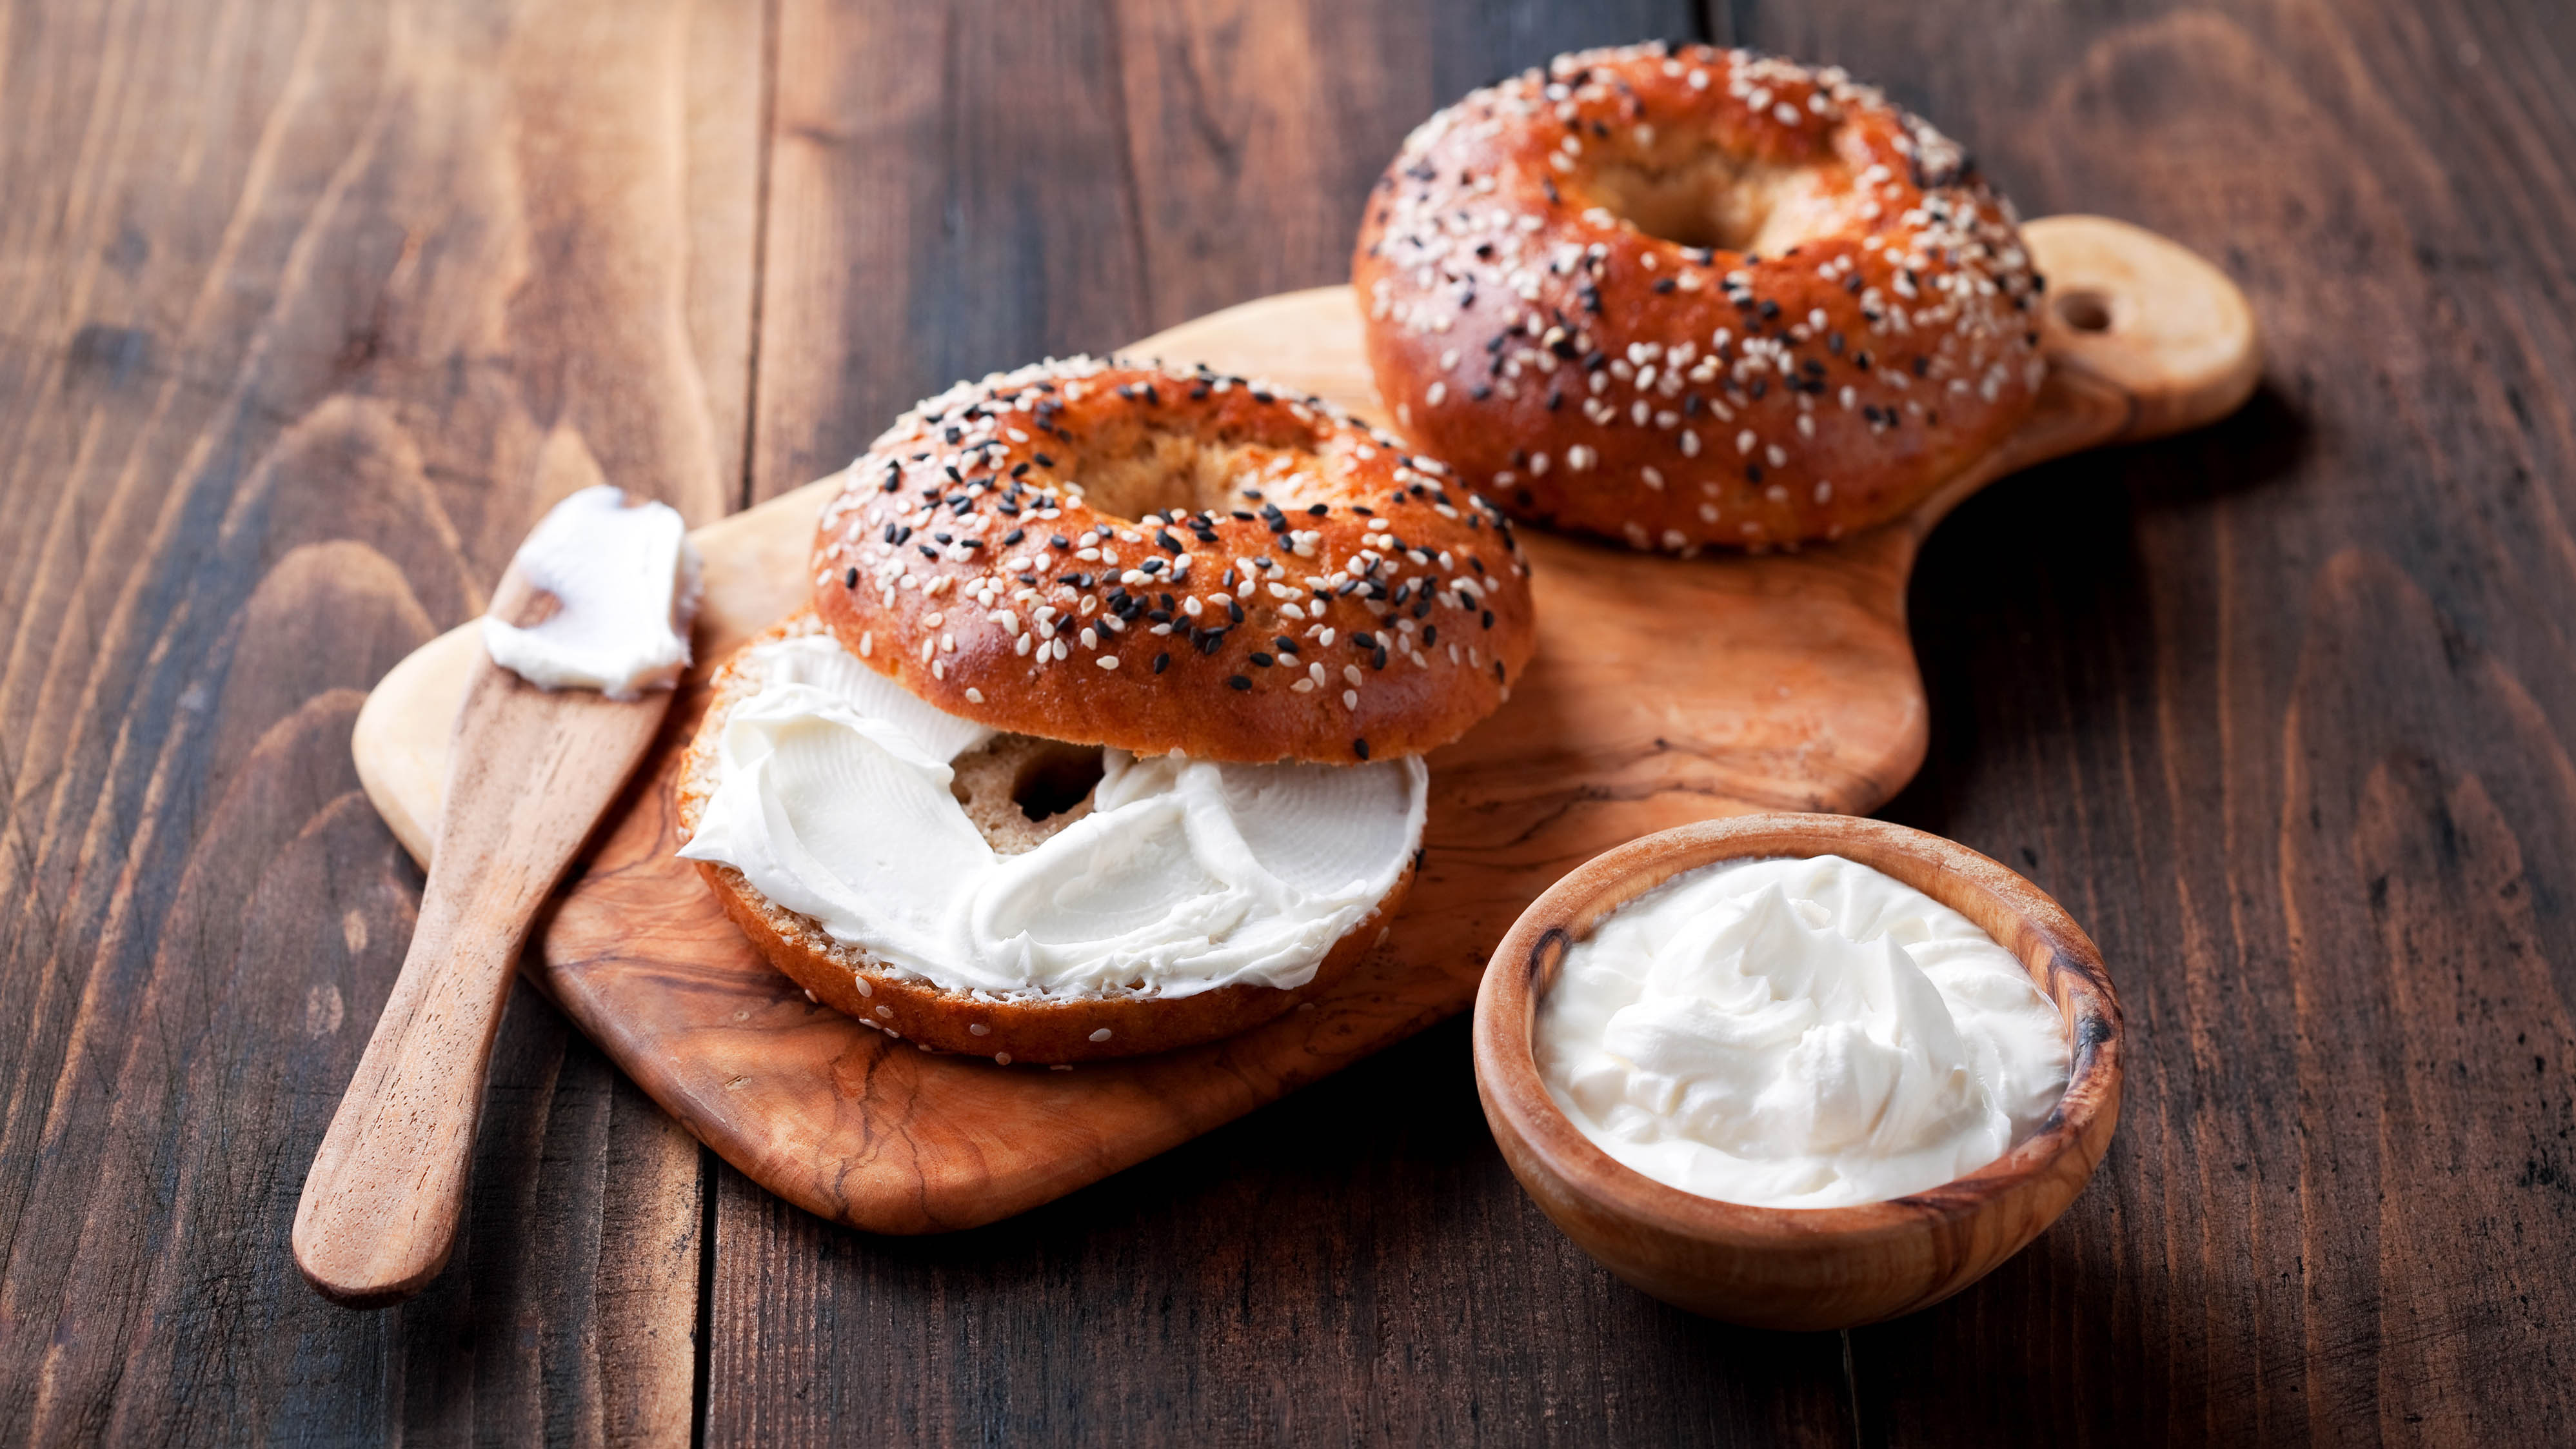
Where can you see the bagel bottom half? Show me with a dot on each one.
(1026, 1029)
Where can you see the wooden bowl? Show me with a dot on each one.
(1804, 1268)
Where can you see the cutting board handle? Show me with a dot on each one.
(2129, 310)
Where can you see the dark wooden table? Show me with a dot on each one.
(304, 309)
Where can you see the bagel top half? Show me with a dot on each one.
(1173, 562)
(1687, 297)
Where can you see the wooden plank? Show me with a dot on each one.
(1352, 1263)
(2284, 714)
(308, 311)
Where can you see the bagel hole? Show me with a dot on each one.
(1056, 780)
(1713, 200)
(1130, 467)
(1018, 790)
(2085, 311)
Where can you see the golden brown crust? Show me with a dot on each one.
(1034, 1031)
(1834, 316)
(1171, 562)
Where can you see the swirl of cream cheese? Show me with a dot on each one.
(833, 799)
(1798, 1033)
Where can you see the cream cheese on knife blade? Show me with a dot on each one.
(627, 582)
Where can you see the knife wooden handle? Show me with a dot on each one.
(530, 772)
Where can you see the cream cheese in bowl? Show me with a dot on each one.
(1800, 1033)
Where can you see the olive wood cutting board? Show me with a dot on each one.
(1663, 691)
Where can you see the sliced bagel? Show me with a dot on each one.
(1018, 791)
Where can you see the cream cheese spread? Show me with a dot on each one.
(1798, 1033)
(627, 583)
(833, 799)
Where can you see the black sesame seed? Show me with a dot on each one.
(1059, 540)
(1262, 660)
(1239, 681)
(1359, 747)
(850, 580)
(1014, 536)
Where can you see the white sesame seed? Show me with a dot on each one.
(1101, 1035)
(974, 695)
(1107, 661)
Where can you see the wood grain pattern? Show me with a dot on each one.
(292, 295)
(1662, 691)
(291, 355)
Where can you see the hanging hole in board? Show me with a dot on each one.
(2085, 311)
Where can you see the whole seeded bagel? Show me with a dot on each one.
(1028, 1029)
(1688, 297)
(1121, 554)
